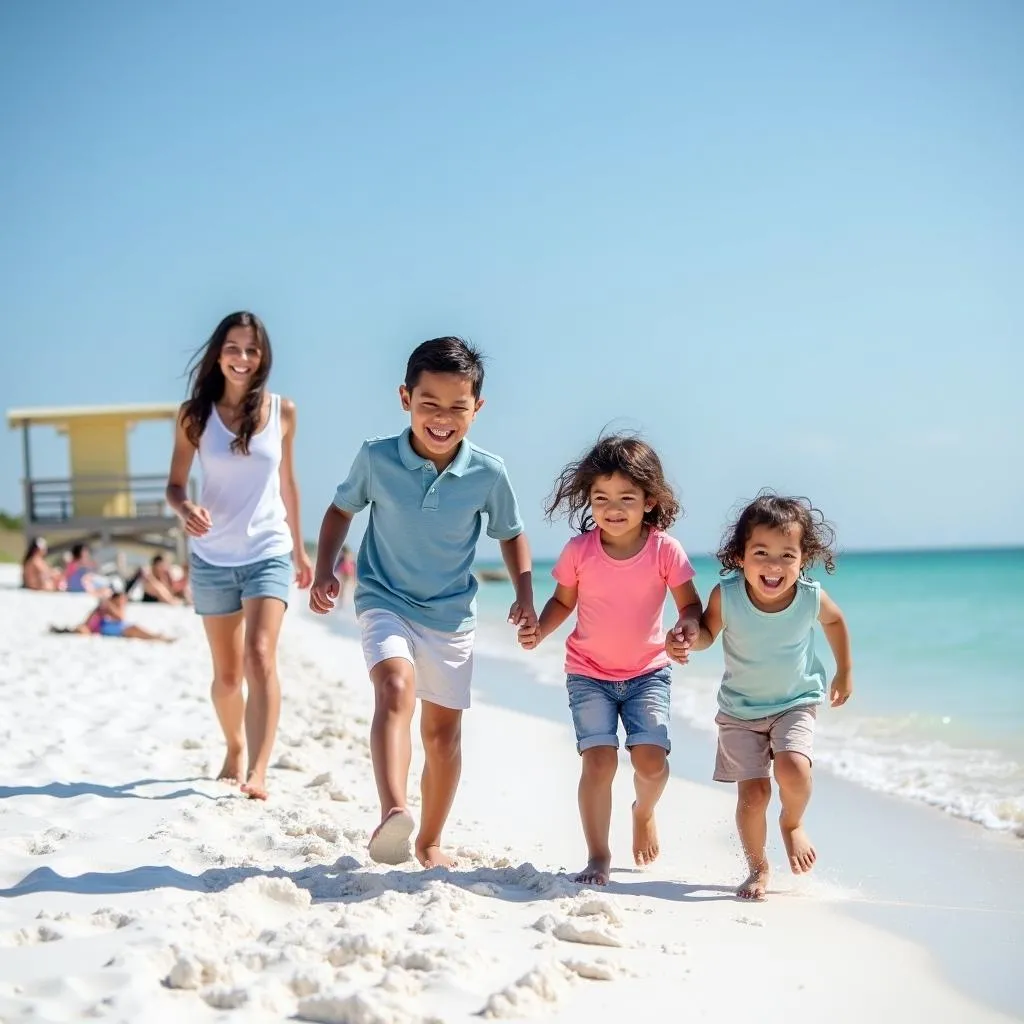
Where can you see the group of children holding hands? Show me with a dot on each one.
(430, 491)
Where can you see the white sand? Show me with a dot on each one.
(135, 889)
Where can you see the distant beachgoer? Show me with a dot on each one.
(81, 575)
(765, 610)
(345, 570)
(157, 583)
(108, 619)
(429, 490)
(246, 532)
(616, 575)
(36, 572)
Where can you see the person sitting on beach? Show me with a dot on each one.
(108, 619)
(158, 585)
(765, 609)
(345, 570)
(615, 575)
(80, 575)
(36, 572)
(428, 489)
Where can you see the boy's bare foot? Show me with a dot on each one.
(596, 872)
(756, 885)
(433, 857)
(389, 843)
(232, 770)
(255, 786)
(645, 839)
(799, 850)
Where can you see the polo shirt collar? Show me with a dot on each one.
(411, 460)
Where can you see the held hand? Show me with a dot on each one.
(323, 593)
(303, 568)
(528, 637)
(522, 614)
(841, 689)
(196, 519)
(679, 640)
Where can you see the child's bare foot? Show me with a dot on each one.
(433, 857)
(232, 770)
(645, 839)
(255, 786)
(389, 843)
(756, 885)
(596, 872)
(799, 850)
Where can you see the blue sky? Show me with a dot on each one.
(785, 241)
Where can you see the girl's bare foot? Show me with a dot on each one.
(433, 857)
(596, 872)
(232, 768)
(756, 885)
(389, 843)
(799, 849)
(645, 839)
(255, 786)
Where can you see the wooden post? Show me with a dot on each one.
(27, 501)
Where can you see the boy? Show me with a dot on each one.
(415, 594)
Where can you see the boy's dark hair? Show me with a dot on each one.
(446, 355)
(817, 540)
(616, 453)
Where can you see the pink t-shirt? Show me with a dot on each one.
(619, 633)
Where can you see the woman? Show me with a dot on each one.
(36, 573)
(245, 530)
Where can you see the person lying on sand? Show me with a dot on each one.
(108, 619)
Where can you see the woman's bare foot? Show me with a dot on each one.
(255, 786)
(596, 872)
(232, 770)
(799, 849)
(389, 843)
(433, 857)
(645, 839)
(756, 885)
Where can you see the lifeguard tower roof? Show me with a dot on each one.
(55, 417)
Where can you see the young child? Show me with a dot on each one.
(428, 489)
(765, 610)
(615, 574)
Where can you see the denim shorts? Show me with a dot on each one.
(221, 589)
(642, 703)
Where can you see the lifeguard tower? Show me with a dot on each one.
(101, 501)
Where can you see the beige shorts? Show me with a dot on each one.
(746, 748)
(443, 661)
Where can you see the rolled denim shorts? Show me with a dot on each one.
(221, 589)
(642, 703)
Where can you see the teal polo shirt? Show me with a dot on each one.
(417, 553)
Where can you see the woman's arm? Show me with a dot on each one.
(196, 520)
(290, 495)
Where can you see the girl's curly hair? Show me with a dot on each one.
(817, 537)
(616, 453)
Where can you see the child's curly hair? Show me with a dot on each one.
(615, 453)
(817, 538)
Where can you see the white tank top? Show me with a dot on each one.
(242, 493)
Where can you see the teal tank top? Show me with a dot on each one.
(770, 664)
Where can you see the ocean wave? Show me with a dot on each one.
(896, 755)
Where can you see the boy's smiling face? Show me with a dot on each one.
(441, 407)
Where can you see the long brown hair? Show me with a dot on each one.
(616, 453)
(206, 383)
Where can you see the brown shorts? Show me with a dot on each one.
(746, 748)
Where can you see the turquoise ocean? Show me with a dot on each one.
(938, 711)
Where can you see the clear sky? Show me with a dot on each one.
(785, 241)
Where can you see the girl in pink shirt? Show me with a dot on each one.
(615, 575)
